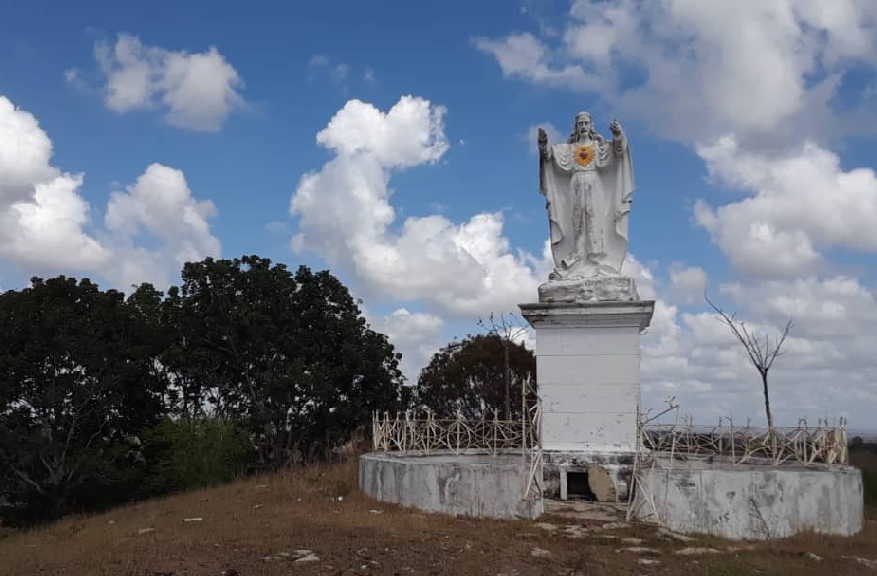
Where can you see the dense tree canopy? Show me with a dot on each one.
(290, 355)
(78, 380)
(469, 377)
(242, 350)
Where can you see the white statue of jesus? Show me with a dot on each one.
(588, 184)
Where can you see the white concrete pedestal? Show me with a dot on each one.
(587, 362)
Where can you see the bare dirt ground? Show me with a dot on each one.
(314, 521)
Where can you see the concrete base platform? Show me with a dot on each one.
(751, 501)
(467, 485)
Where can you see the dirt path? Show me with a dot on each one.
(314, 521)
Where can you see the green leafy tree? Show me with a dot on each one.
(79, 379)
(290, 355)
(470, 376)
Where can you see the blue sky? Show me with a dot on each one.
(725, 124)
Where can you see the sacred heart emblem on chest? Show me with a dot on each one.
(584, 155)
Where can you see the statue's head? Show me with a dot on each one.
(582, 128)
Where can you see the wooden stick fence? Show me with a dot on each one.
(661, 446)
(802, 445)
(657, 445)
(404, 432)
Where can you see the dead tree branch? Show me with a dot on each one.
(762, 351)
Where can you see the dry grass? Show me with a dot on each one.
(244, 522)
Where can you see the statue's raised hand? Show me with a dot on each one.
(542, 139)
(615, 128)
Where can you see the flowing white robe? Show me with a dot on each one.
(588, 186)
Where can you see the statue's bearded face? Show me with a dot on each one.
(583, 126)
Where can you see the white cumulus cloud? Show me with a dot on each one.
(526, 57)
(687, 284)
(45, 224)
(47, 231)
(770, 77)
(197, 91)
(345, 215)
(409, 134)
(25, 150)
(161, 205)
(828, 368)
(802, 201)
(416, 335)
(43, 219)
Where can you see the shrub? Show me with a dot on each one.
(194, 453)
(863, 455)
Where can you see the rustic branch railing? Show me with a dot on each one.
(802, 445)
(535, 486)
(403, 432)
(663, 446)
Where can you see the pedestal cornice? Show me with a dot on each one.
(589, 314)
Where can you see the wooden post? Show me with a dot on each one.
(459, 419)
(733, 451)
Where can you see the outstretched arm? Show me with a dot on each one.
(618, 140)
(544, 149)
(544, 157)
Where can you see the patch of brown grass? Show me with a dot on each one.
(244, 522)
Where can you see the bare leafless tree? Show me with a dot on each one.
(761, 349)
(510, 328)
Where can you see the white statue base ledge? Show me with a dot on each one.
(593, 289)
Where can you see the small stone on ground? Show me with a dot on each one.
(863, 561)
(540, 553)
(674, 535)
(638, 550)
(574, 531)
(547, 526)
(695, 551)
(297, 556)
(739, 548)
(614, 526)
(306, 559)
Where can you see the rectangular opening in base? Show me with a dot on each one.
(577, 487)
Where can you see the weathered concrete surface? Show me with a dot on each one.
(466, 485)
(587, 364)
(599, 289)
(752, 502)
(614, 467)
